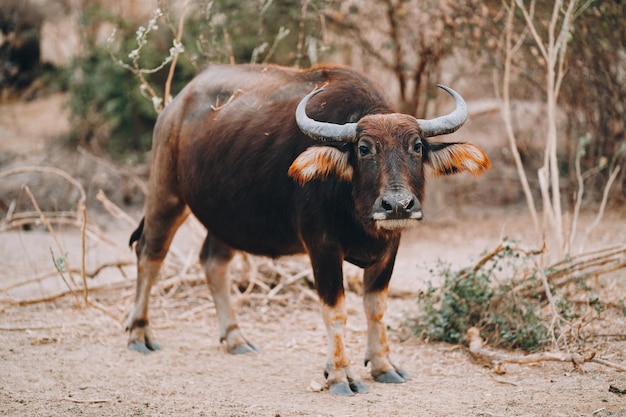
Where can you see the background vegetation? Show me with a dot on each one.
(407, 44)
(129, 64)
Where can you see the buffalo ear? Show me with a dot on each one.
(452, 158)
(320, 162)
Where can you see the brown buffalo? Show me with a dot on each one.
(273, 165)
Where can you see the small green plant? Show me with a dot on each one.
(480, 297)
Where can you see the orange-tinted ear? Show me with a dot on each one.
(319, 162)
(452, 158)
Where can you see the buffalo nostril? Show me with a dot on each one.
(387, 206)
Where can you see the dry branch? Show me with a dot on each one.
(538, 283)
(48, 225)
(289, 281)
(496, 359)
(93, 401)
(47, 170)
(585, 265)
(510, 51)
(43, 326)
(19, 221)
(502, 246)
(167, 97)
(605, 197)
(118, 169)
(175, 281)
(91, 274)
(81, 221)
(113, 209)
(301, 33)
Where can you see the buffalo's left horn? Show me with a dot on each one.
(322, 130)
(449, 123)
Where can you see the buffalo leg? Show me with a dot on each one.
(215, 256)
(340, 378)
(329, 282)
(376, 280)
(156, 237)
(383, 370)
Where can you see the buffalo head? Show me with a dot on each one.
(384, 157)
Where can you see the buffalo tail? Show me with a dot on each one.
(137, 233)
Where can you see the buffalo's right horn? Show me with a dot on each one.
(322, 130)
(449, 123)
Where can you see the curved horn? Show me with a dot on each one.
(322, 130)
(449, 123)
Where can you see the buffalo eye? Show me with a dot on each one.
(418, 147)
(365, 148)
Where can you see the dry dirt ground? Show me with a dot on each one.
(59, 358)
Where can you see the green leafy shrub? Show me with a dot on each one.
(478, 298)
(110, 114)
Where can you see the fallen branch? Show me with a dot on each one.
(42, 326)
(60, 294)
(41, 277)
(287, 282)
(45, 299)
(94, 401)
(115, 210)
(47, 170)
(590, 264)
(118, 169)
(496, 359)
(179, 279)
(103, 309)
(502, 246)
(20, 220)
(615, 255)
(253, 272)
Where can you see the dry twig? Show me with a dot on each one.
(118, 169)
(179, 36)
(605, 197)
(92, 401)
(42, 326)
(501, 248)
(81, 221)
(496, 359)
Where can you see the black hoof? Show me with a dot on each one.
(144, 348)
(359, 387)
(392, 377)
(245, 348)
(341, 389)
(404, 374)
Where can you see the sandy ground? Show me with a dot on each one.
(59, 358)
